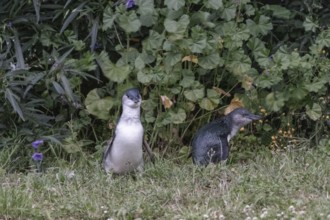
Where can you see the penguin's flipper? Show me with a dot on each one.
(107, 151)
(221, 151)
(148, 149)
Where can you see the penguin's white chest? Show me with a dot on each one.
(126, 151)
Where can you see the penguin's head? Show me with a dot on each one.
(132, 98)
(242, 116)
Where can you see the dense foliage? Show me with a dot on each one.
(65, 64)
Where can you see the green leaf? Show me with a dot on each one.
(214, 96)
(139, 63)
(178, 27)
(187, 81)
(74, 13)
(263, 27)
(130, 23)
(194, 94)
(315, 112)
(259, 51)
(174, 4)
(278, 11)
(310, 25)
(275, 101)
(146, 7)
(97, 106)
(239, 63)
(178, 117)
(229, 13)
(214, 4)
(249, 10)
(206, 104)
(117, 73)
(108, 18)
(144, 78)
(198, 46)
(172, 58)
(36, 4)
(154, 41)
(323, 40)
(113, 72)
(12, 98)
(268, 79)
(67, 87)
(210, 61)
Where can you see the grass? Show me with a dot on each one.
(292, 185)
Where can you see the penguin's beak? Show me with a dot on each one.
(254, 117)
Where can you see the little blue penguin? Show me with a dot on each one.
(123, 153)
(210, 144)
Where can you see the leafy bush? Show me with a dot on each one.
(64, 67)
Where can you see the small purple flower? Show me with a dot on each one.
(10, 24)
(37, 156)
(37, 143)
(129, 4)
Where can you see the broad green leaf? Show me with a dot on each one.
(239, 63)
(178, 116)
(144, 78)
(275, 102)
(213, 96)
(198, 46)
(249, 10)
(174, 4)
(315, 112)
(259, 51)
(310, 25)
(201, 17)
(149, 117)
(146, 7)
(194, 94)
(139, 63)
(316, 85)
(178, 27)
(108, 18)
(267, 79)
(172, 58)
(187, 81)
(154, 41)
(278, 11)
(130, 23)
(263, 26)
(149, 105)
(229, 13)
(213, 4)
(323, 40)
(210, 61)
(298, 92)
(117, 73)
(97, 106)
(207, 104)
(110, 70)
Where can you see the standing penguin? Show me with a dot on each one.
(123, 153)
(210, 144)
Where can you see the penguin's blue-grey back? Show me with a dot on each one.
(210, 143)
